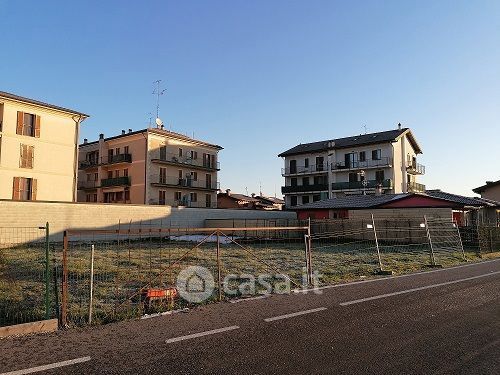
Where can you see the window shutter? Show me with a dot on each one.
(16, 189)
(213, 161)
(37, 127)
(33, 189)
(20, 123)
(22, 156)
(31, 156)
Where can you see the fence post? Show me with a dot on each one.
(309, 251)
(460, 240)
(92, 248)
(64, 299)
(376, 244)
(433, 260)
(219, 281)
(47, 268)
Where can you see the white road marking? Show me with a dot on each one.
(249, 299)
(294, 314)
(200, 334)
(391, 277)
(416, 289)
(48, 367)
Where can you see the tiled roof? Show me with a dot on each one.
(359, 140)
(460, 199)
(352, 201)
(489, 184)
(39, 103)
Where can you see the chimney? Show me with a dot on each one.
(85, 140)
(130, 130)
(228, 192)
(161, 126)
(123, 132)
(101, 136)
(253, 195)
(399, 126)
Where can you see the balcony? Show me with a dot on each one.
(414, 187)
(116, 181)
(304, 188)
(358, 185)
(85, 164)
(88, 185)
(413, 167)
(105, 160)
(183, 183)
(175, 159)
(183, 203)
(119, 158)
(316, 168)
(370, 163)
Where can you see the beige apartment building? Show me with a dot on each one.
(38, 150)
(149, 166)
(376, 163)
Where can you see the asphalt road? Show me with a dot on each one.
(440, 322)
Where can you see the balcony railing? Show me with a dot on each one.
(90, 184)
(187, 183)
(315, 168)
(116, 181)
(171, 158)
(358, 185)
(183, 203)
(303, 188)
(94, 162)
(370, 163)
(416, 187)
(414, 168)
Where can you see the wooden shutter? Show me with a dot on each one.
(22, 156)
(31, 156)
(33, 189)
(213, 161)
(37, 126)
(16, 189)
(20, 123)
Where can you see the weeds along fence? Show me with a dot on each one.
(26, 275)
(348, 249)
(110, 275)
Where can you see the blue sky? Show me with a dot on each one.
(258, 77)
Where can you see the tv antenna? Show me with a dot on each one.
(158, 92)
(364, 127)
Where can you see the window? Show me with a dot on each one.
(96, 177)
(362, 156)
(193, 197)
(208, 181)
(306, 163)
(208, 200)
(180, 151)
(293, 200)
(117, 173)
(353, 177)
(127, 195)
(194, 176)
(119, 196)
(305, 181)
(117, 151)
(24, 189)
(125, 172)
(177, 195)
(161, 197)
(110, 155)
(293, 166)
(27, 155)
(319, 180)
(125, 150)
(163, 176)
(379, 176)
(95, 198)
(163, 153)
(110, 174)
(305, 199)
(88, 197)
(28, 124)
(194, 155)
(377, 154)
(293, 181)
(316, 197)
(180, 174)
(319, 163)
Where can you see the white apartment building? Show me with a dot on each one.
(376, 163)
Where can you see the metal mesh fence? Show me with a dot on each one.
(23, 275)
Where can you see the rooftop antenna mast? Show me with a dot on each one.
(364, 126)
(158, 92)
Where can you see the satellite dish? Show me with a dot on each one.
(159, 122)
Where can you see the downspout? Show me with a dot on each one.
(78, 120)
(145, 167)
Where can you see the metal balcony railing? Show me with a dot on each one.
(369, 163)
(116, 181)
(183, 203)
(304, 188)
(415, 187)
(415, 168)
(172, 158)
(315, 168)
(186, 182)
(104, 160)
(369, 184)
(88, 184)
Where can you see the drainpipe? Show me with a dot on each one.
(145, 168)
(78, 120)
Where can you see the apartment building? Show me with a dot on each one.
(376, 163)
(38, 150)
(149, 166)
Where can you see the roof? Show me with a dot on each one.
(159, 132)
(489, 184)
(359, 140)
(239, 197)
(273, 200)
(18, 98)
(372, 201)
